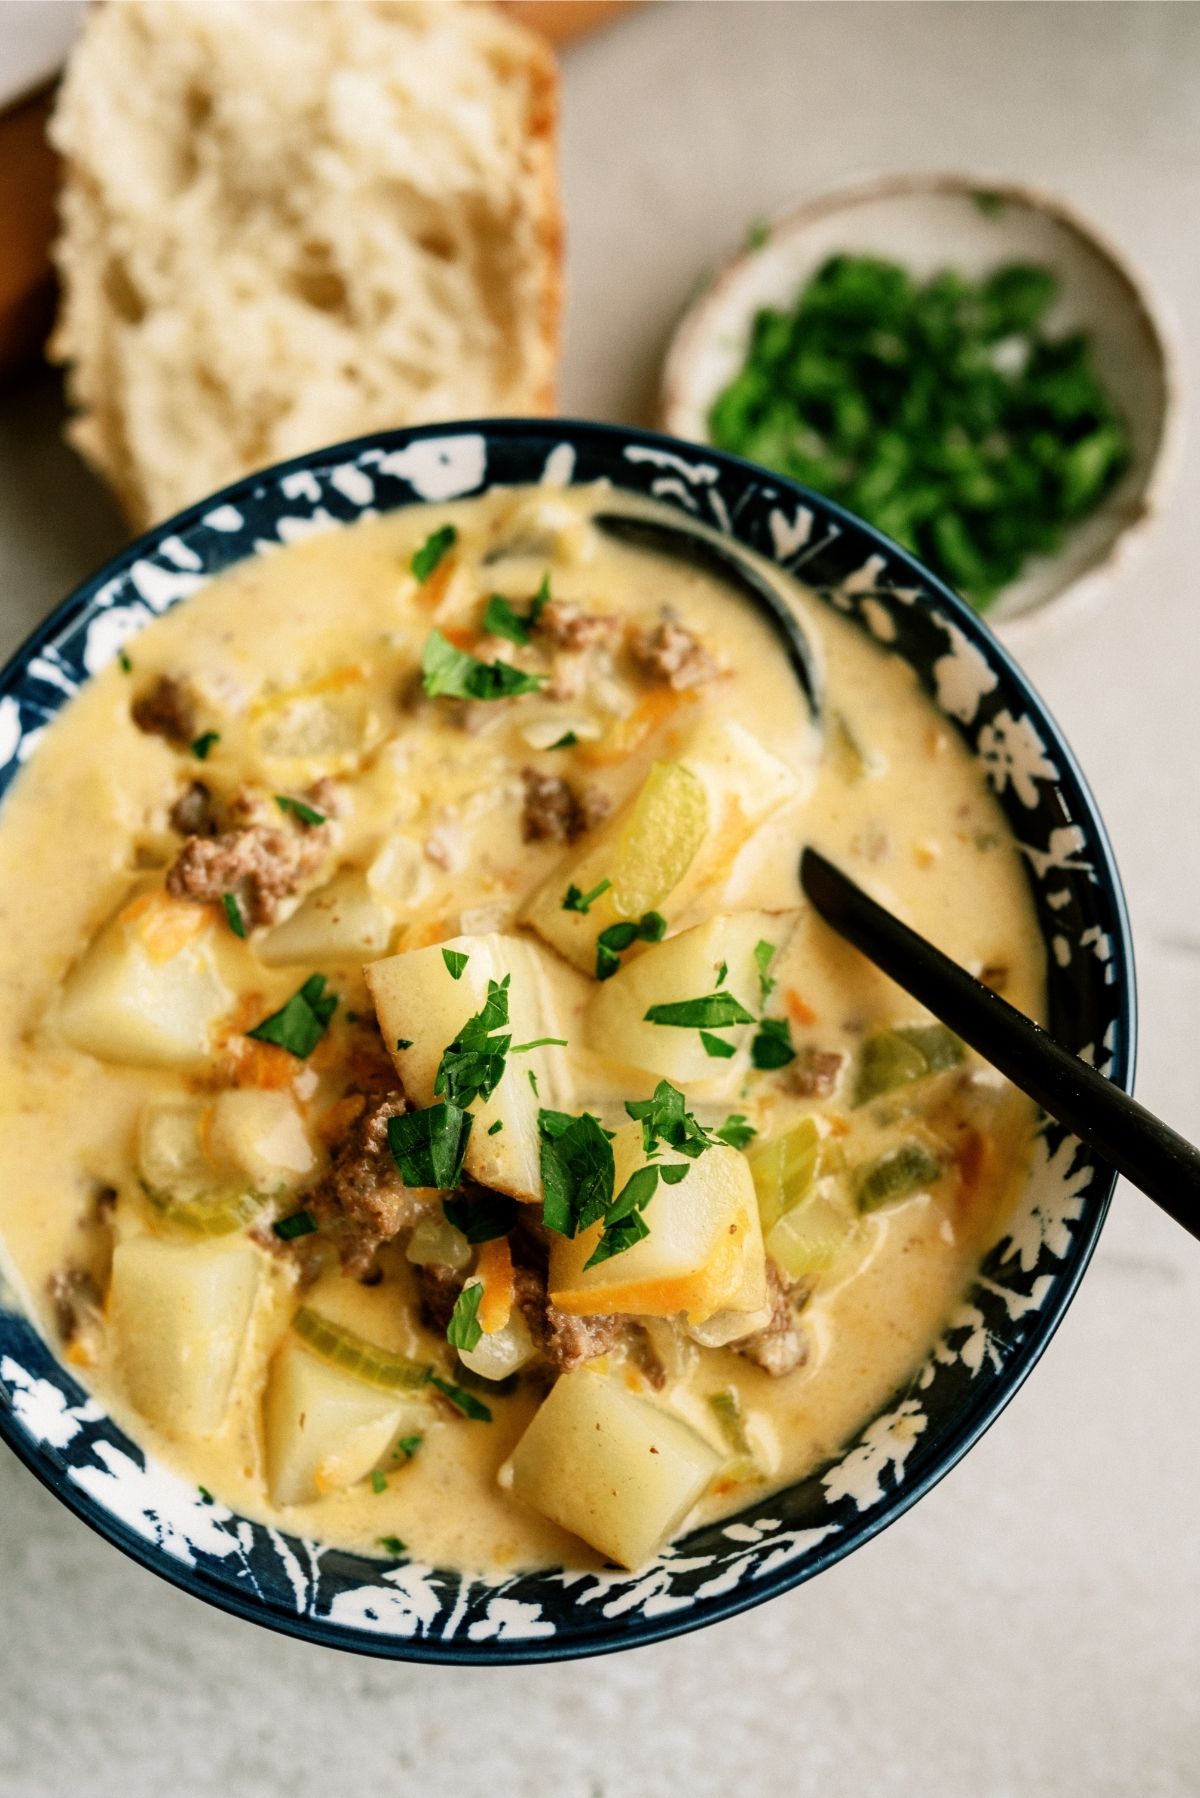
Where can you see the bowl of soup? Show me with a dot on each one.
(457, 1202)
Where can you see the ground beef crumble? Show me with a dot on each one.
(565, 1342)
(814, 1072)
(361, 1201)
(782, 1343)
(668, 651)
(167, 709)
(259, 863)
(554, 812)
(570, 626)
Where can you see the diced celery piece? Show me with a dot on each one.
(893, 1058)
(785, 1169)
(367, 1361)
(726, 1407)
(809, 1237)
(895, 1175)
(657, 844)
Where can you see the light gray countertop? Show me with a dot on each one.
(1033, 1626)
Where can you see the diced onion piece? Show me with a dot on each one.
(545, 733)
(610, 1466)
(147, 990)
(178, 1312)
(703, 1253)
(400, 874)
(436, 1243)
(341, 922)
(421, 1004)
(259, 1132)
(496, 1356)
(325, 1428)
(170, 1153)
(343, 1348)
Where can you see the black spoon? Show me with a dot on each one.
(1131, 1139)
(684, 545)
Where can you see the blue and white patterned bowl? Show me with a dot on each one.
(416, 1612)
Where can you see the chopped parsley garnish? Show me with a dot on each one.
(300, 1024)
(455, 961)
(392, 1544)
(736, 1131)
(717, 1046)
(714, 1011)
(307, 814)
(503, 620)
(300, 1223)
(533, 1082)
(568, 740)
(449, 673)
(407, 1446)
(577, 1170)
(466, 1402)
(772, 1046)
(482, 1219)
(495, 1129)
(612, 942)
(539, 1042)
(204, 743)
(623, 1221)
(233, 913)
(764, 955)
(666, 1120)
(435, 546)
(722, 971)
(464, 1331)
(942, 410)
(428, 1145)
(378, 1481)
(471, 1066)
(404, 1042)
(126, 665)
(574, 900)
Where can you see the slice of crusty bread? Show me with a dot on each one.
(284, 224)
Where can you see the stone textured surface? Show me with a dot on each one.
(1032, 1627)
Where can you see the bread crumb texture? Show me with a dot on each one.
(286, 224)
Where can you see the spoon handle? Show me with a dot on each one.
(1139, 1145)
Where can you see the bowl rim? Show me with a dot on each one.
(1156, 318)
(49, 1467)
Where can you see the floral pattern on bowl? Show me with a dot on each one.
(412, 1611)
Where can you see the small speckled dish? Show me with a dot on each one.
(933, 221)
(401, 1607)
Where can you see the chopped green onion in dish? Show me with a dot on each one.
(942, 411)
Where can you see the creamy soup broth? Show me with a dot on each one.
(302, 668)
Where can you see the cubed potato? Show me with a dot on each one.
(419, 1002)
(147, 989)
(258, 1132)
(680, 839)
(610, 1466)
(339, 924)
(704, 1252)
(323, 1428)
(684, 967)
(179, 1313)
